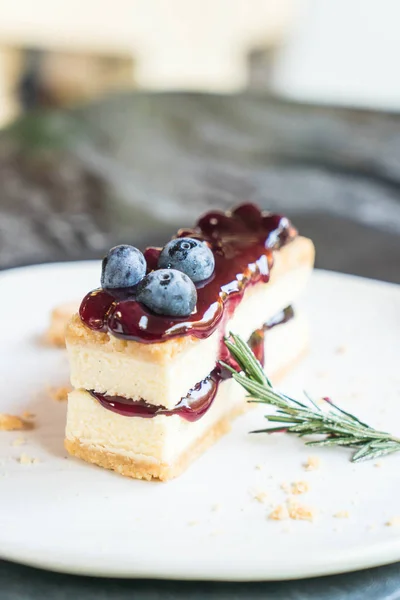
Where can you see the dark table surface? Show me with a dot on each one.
(133, 167)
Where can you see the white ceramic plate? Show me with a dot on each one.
(66, 515)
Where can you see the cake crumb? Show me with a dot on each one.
(25, 459)
(378, 464)
(341, 349)
(28, 415)
(285, 487)
(13, 423)
(342, 514)
(313, 463)
(394, 522)
(280, 513)
(300, 487)
(216, 507)
(19, 441)
(258, 467)
(299, 512)
(60, 315)
(260, 496)
(59, 394)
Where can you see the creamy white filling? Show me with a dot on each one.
(163, 439)
(124, 374)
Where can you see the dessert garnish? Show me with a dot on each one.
(190, 256)
(337, 426)
(123, 267)
(168, 292)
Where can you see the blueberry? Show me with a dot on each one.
(190, 256)
(124, 266)
(167, 292)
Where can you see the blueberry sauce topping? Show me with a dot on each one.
(199, 399)
(242, 242)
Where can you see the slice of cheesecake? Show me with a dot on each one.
(149, 394)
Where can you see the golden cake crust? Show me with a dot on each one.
(144, 470)
(298, 253)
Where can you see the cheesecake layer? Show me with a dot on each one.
(162, 373)
(161, 447)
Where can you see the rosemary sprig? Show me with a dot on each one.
(336, 426)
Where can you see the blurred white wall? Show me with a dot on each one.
(189, 44)
(342, 52)
(327, 51)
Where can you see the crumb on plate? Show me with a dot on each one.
(25, 459)
(60, 315)
(342, 514)
(341, 349)
(313, 463)
(280, 513)
(19, 441)
(394, 522)
(260, 496)
(13, 423)
(299, 512)
(300, 487)
(28, 415)
(59, 394)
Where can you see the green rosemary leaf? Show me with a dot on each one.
(335, 426)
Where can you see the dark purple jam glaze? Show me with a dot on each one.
(191, 408)
(199, 399)
(242, 241)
